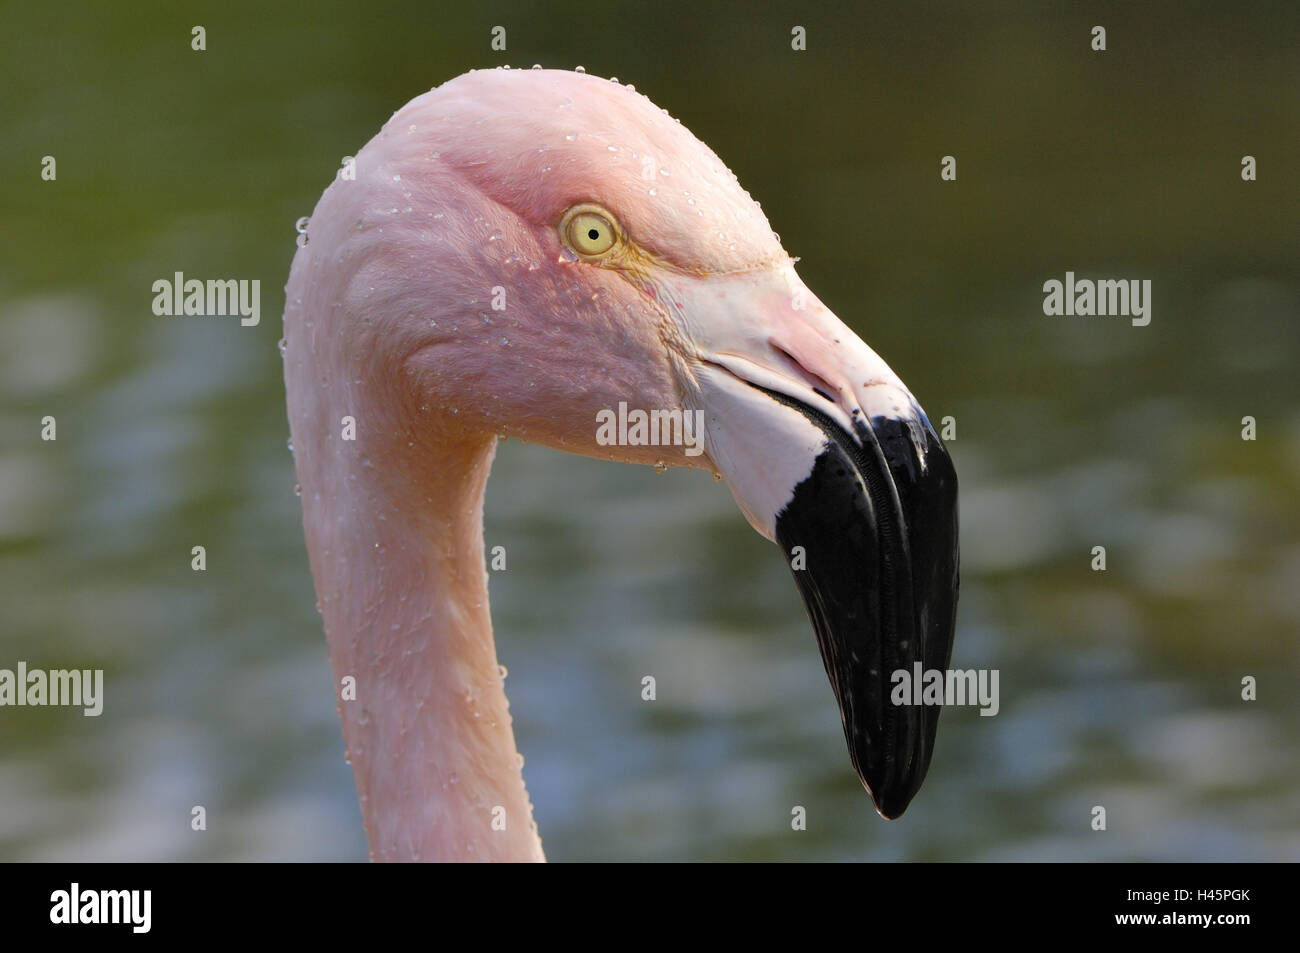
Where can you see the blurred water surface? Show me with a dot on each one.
(1119, 688)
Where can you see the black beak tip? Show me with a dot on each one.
(891, 802)
(892, 766)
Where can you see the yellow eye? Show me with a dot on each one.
(589, 231)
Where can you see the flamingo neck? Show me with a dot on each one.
(395, 536)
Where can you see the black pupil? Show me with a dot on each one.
(593, 233)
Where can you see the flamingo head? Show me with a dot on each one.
(549, 255)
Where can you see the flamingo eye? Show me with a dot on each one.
(589, 231)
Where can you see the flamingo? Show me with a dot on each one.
(514, 254)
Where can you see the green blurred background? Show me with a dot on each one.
(1119, 688)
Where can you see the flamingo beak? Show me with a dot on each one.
(830, 456)
(876, 519)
